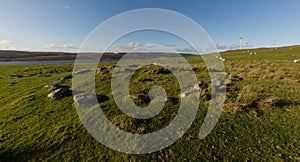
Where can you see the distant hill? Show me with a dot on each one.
(257, 49)
(6, 55)
(10, 55)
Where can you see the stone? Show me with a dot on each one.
(133, 65)
(141, 98)
(66, 77)
(200, 85)
(218, 83)
(111, 66)
(17, 75)
(270, 101)
(135, 97)
(234, 78)
(54, 85)
(184, 94)
(81, 71)
(59, 93)
(102, 70)
(174, 100)
(85, 99)
(160, 70)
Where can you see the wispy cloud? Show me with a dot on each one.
(130, 46)
(67, 7)
(149, 47)
(221, 46)
(237, 45)
(59, 47)
(185, 49)
(248, 45)
(6, 44)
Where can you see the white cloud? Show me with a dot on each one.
(185, 50)
(67, 7)
(221, 47)
(149, 47)
(58, 47)
(130, 46)
(6, 44)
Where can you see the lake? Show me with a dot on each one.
(49, 62)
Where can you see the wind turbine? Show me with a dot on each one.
(241, 41)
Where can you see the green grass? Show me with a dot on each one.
(34, 127)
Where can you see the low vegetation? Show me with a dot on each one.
(260, 120)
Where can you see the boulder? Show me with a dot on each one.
(184, 94)
(133, 65)
(66, 77)
(201, 85)
(85, 99)
(174, 100)
(141, 98)
(54, 85)
(102, 70)
(159, 70)
(59, 93)
(218, 83)
(234, 78)
(81, 71)
(134, 97)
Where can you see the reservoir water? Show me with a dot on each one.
(49, 62)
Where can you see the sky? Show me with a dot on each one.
(63, 25)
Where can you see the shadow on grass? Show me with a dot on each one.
(101, 98)
(24, 155)
(38, 152)
(283, 103)
(256, 106)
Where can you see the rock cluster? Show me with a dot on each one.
(200, 85)
(102, 70)
(57, 90)
(53, 85)
(141, 98)
(233, 78)
(59, 93)
(217, 84)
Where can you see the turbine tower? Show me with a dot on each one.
(241, 41)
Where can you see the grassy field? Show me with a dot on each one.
(260, 121)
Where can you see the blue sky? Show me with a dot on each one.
(63, 25)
